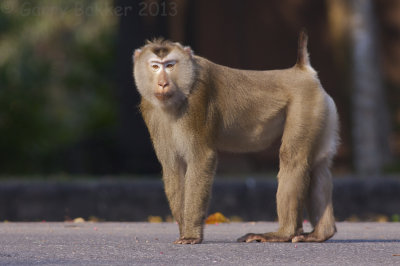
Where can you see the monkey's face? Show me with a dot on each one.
(164, 73)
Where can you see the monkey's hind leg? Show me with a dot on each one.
(298, 139)
(293, 183)
(290, 195)
(319, 205)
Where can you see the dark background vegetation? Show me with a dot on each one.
(68, 100)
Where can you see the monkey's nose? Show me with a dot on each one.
(163, 84)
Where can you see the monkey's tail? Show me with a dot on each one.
(302, 53)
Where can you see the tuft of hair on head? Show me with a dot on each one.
(162, 47)
(161, 41)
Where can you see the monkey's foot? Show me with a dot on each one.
(267, 237)
(310, 237)
(183, 240)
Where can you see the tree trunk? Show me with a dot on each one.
(370, 114)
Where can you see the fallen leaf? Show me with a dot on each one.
(382, 219)
(353, 218)
(216, 218)
(79, 220)
(237, 219)
(169, 219)
(395, 218)
(154, 219)
(93, 219)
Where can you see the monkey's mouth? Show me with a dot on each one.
(163, 96)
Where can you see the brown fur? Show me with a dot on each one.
(220, 108)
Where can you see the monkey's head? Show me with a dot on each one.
(164, 72)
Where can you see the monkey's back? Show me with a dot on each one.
(259, 99)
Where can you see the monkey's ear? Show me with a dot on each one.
(188, 50)
(136, 53)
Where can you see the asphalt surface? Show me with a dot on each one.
(151, 244)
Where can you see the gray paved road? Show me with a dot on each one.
(150, 244)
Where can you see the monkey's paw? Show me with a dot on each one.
(188, 241)
(268, 237)
(309, 237)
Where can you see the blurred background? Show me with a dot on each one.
(68, 100)
(68, 103)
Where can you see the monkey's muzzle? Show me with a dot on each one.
(163, 96)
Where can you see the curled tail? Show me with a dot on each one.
(302, 53)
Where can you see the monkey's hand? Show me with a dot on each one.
(184, 240)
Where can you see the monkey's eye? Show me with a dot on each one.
(155, 67)
(170, 66)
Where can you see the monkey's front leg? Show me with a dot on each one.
(198, 185)
(173, 177)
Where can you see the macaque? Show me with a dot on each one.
(194, 108)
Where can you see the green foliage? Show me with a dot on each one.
(56, 79)
(395, 218)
